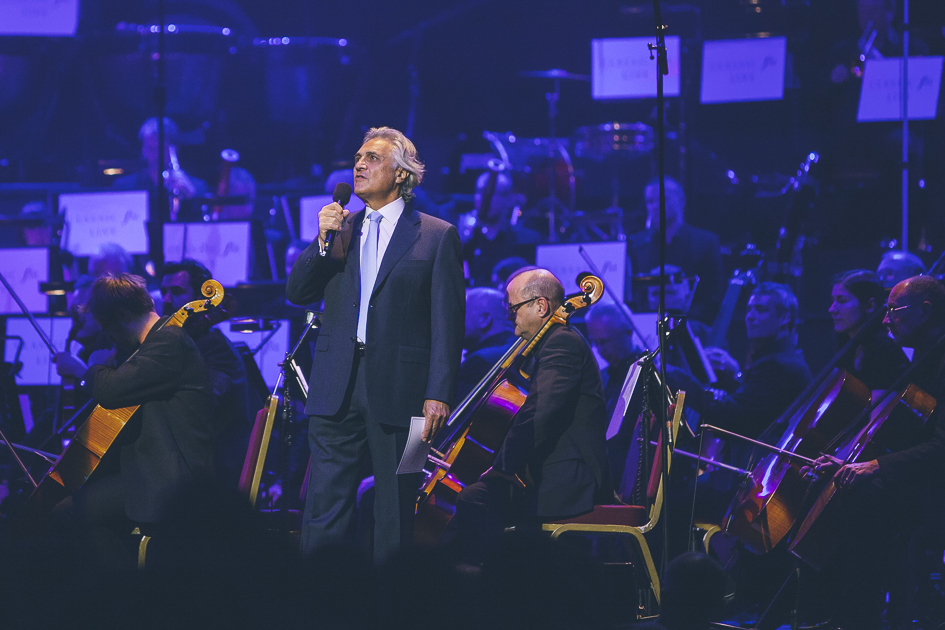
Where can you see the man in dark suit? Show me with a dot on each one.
(488, 336)
(169, 438)
(390, 342)
(696, 252)
(553, 463)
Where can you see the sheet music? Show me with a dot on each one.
(629, 384)
(415, 454)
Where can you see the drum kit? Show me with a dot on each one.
(556, 174)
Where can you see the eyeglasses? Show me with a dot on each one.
(513, 308)
(895, 309)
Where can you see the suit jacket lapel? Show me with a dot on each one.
(405, 235)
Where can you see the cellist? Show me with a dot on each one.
(891, 495)
(170, 446)
(553, 463)
(878, 360)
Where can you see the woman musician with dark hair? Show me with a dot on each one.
(877, 360)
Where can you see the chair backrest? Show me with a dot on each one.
(256, 452)
(654, 490)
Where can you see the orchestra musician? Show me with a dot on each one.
(233, 400)
(775, 372)
(892, 495)
(390, 342)
(170, 446)
(178, 182)
(488, 335)
(695, 251)
(877, 360)
(609, 331)
(553, 462)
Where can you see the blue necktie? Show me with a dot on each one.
(368, 271)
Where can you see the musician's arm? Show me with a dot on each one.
(153, 372)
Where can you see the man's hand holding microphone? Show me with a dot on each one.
(332, 216)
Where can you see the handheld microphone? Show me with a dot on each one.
(342, 195)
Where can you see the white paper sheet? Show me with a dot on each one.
(415, 454)
(629, 384)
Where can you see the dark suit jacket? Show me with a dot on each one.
(558, 434)
(170, 443)
(415, 320)
(921, 465)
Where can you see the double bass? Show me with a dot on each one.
(96, 438)
(480, 423)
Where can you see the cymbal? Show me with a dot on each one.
(555, 73)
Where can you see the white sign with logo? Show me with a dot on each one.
(736, 70)
(566, 262)
(881, 92)
(622, 68)
(24, 268)
(48, 18)
(222, 247)
(38, 368)
(93, 219)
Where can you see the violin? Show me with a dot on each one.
(96, 438)
(480, 423)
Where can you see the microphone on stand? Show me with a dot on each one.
(342, 196)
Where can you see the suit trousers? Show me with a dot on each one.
(338, 444)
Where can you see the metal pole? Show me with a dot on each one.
(905, 125)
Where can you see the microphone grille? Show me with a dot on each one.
(342, 193)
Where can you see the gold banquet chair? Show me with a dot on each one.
(629, 520)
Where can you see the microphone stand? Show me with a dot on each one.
(662, 69)
(291, 369)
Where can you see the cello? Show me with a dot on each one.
(95, 438)
(480, 424)
(896, 424)
(768, 505)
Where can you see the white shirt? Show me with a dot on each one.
(391, 214)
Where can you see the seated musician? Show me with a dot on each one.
(694, 250)
(488, 336)
(553, 462)
(609, 331)
(896, 494)
(167, 445)
(234, 401)
(896, 266)
(877, 360)
(775, 372)
(177, 181)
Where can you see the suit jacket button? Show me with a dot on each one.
(355, 305)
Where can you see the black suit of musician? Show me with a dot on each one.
(556, 442)
(167, 445)
(375, 367)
